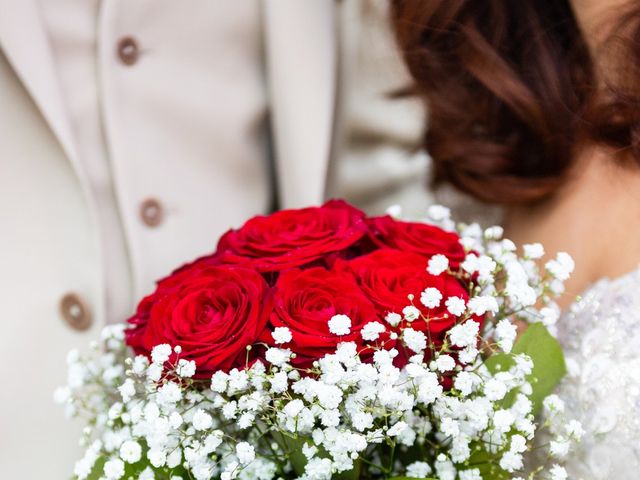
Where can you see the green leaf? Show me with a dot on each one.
(548, 363)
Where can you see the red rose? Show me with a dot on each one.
(212, 312)
(305, 301)
(292, 238)
(421, 238)
(388, 276)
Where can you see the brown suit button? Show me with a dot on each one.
(128, 50)
(151, 212)
(75, 312)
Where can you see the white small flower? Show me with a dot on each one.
(130, 451)
(437, 264)
(483, 304)
(140, 364)
(473, 474)
(511, 461)
(445, 363)
(201, 420)
(415, 340)
(277, 356)
(219, 381)
(503, 420)
(147, 474)
(438, 213)
(161, 353)
(431, 297)
(494, 389)
(279, 382)
(518, 444)
(464, 334)
(318, 469)
(455, 306)
(575, 430)
(186, 368)
(449, 427)
(553, 403)
(371, 331)
(394, 211)
(175, 420)
(549, 316)
(418, 470)
(114, 469)
(154, 372)
(245, 453)
(464, 382)
(169, 393)
(561, 267)
(340, 325)
(397, 429)
(558, 473)
(410, 313)
(393, 319)
(293, 408)
(281, 335)
(494, 233)
(559, 448)
(127, 390)
(533, 251)
(230, 410)
(506, 333)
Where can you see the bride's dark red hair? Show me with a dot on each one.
(510, 89)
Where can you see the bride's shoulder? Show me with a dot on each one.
(600, 333)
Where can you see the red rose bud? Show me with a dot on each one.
(293, 238)
(421, 238)
(306, 300)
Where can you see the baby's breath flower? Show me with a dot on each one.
(431, 297)
(533, 251)
(161, 353)
(340, 325)
(201, 420)
(245, 453)
(418, 470)
(445, 363)
(437, 264)
(130, 451)
(410, 313)
(393, 319)
(414, 339)
(506, 333)
(114, 469)
(371, 331)
(558, 473)
(281, 335)
(186, 368)
(455, 306)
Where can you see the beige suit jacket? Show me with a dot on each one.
(49, 243)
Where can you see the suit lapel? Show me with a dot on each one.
(301, 55)
(25, 44)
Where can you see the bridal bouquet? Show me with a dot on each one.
(320, 343)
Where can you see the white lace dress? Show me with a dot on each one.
(601, 337)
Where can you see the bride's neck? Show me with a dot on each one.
(595, 217)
